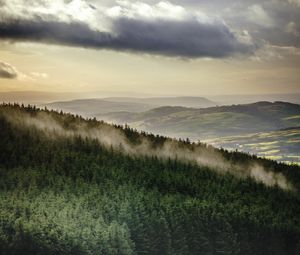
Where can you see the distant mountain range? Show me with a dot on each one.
(211, 122)
(247, 99)
(195, 102)
(42, 97)
(184, 120)
(32, 97)
(95, 107)
(197, 118)
(266, 129)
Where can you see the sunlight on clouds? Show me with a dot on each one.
(78, 10)
(274, 53)
(39, 75)
(161, 10)
(139, 27)
(7, 71)
(259, 16)
(248, 34)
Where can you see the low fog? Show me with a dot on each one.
(112, 137)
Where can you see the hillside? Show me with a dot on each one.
(242, 127)
(212, 122)
(74, 186)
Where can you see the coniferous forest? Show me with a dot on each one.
(70, 194)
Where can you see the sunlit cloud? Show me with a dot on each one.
(39, 75)
(7, 71)
(258, 15)
(159, 29)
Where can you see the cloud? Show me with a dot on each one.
(187, 38)
(159, 29)
(7, 71)
(258, 15)
(291, 28)
(296, 2)
(272, 22)
(39, 75)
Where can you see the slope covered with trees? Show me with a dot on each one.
(70, 194)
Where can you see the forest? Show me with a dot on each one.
(64, 192)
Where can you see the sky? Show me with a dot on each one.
(191, 47)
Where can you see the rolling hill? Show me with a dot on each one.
(94, 107)
(248, 99)
(31, 97)
(211, 122)
(79, 186)
(195, 102)
(44, 97)
(243, 127)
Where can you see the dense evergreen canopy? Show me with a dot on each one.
(72, 195)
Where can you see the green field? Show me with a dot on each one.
(282, 145)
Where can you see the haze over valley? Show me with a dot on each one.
(261, 128)
(218, 125)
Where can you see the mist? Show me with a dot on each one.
(113, 137)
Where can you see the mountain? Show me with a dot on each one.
(94, 107)
(79, 186)
(243, 127)
(211, 122)
(32, 97)
(43, 97)
(247, 99)
(195, 102)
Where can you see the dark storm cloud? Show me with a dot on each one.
(176, 38)
(284, 14)
(7, 71)
(154, 29)
(76, 34)
(187, 38)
